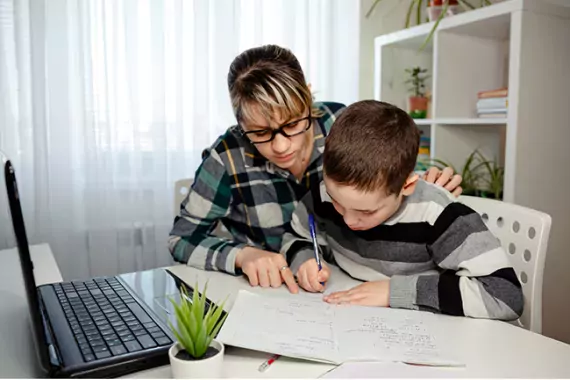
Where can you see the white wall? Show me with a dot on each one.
(389, 16)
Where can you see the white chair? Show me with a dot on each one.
(181, 189)
(523, 233)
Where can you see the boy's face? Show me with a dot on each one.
(365, 210)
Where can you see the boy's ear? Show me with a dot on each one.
(410, 185)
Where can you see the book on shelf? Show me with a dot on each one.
(491, 110)
(496, 93)
(493, 115)
(492, 103)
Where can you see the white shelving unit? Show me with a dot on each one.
(462, 121)
(523, 45)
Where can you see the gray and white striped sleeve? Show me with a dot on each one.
(297, 245)
(477, 279)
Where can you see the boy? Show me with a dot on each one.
(415, 247)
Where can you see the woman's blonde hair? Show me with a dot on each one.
(270, 79)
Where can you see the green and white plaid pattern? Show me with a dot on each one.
(253, 198)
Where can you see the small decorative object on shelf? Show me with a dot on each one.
(418, 102)
(436, 7)
(493, 103)
(197, 354)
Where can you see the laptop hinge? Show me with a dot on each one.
(54, 356)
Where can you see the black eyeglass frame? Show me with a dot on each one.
(275, 131)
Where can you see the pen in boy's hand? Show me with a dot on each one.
(315, 243)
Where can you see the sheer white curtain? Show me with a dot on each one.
(105, 103)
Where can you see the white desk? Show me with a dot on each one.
(488, 348)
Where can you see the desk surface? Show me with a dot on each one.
(488, 348)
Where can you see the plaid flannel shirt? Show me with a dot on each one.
(253, 198)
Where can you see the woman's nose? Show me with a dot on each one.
(280, 144)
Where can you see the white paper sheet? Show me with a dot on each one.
(308, 328)
(393, 370)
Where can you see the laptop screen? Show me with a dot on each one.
(26, 262)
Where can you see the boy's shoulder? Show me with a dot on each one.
(429, 192)
(426, 204)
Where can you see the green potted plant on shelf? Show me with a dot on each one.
(436, 11)
(418, 101)
(480, 177)
(196, 354)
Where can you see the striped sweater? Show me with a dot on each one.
(437, 253)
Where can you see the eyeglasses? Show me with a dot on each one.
(291, 129)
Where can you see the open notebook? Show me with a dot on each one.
(305, 327)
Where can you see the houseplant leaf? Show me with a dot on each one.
(432, 31)
(409, 13)
(372, 8)
(419, 12)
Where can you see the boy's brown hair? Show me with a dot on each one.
(372, 145)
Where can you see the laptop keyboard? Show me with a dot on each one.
(106, 320)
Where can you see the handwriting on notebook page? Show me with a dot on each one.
(306, 327)
(381, 334)
(295, 327)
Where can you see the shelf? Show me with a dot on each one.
(410, 38)
(486, 22)
(461, 121)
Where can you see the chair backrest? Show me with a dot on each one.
(181, 189)
(523, 233)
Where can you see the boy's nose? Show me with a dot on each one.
(350, 220)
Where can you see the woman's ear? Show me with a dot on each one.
(410, 185)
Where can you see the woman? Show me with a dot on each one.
(253, 175)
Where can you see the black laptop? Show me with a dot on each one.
(101, 327)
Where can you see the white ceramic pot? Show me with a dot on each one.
(197, 369)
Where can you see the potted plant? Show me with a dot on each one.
(480, 177)
(436, 10)
(418, 102)
(196, 354)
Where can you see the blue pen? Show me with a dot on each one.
(315, 243)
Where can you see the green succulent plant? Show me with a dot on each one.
(196, 328)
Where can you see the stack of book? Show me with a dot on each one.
(492, 103)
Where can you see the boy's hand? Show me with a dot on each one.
(309, 277)
(372, 293)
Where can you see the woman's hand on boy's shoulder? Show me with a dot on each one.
(445, 178)
(371, 293)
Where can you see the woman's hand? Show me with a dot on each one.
(372, 293)
(444, 178)
(265, 269)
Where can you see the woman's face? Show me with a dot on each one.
(288, 153)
